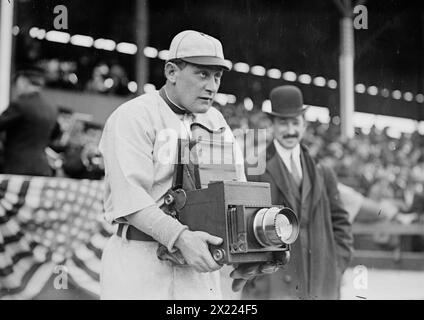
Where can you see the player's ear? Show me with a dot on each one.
(171, 71)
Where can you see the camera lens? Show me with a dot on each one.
(274, 226)
(283, 227)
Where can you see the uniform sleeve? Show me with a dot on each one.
(10, 116)
(127, 148)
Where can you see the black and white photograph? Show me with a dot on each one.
(231, 152)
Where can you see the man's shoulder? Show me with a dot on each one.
(34, 103)
(139, 106)
(23, 101)
(142, 103)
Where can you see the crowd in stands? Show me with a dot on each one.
(386, 170)
(102, 77)
(374, 163)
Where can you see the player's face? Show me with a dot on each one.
(196, 86)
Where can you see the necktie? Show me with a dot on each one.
(295, 172)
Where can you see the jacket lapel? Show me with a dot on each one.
(276, 171)
(317, 183)
(312, 187)
(306, 183)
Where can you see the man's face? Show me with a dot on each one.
(196, 86)
(289, 131)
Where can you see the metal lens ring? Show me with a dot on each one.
(283, 227)
(274, 226)
(287, 225)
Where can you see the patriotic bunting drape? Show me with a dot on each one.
(46, 223)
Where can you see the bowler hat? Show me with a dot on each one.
(286, 102)
(198, 48)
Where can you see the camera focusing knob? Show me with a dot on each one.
(175, 198)
(169, 199)
(218, 255)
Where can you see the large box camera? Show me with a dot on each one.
(241, 214)
(207, 197)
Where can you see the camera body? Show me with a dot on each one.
(207, 196)
(241, 213)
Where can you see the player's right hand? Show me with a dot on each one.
(194, 246)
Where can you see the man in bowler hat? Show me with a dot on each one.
(323, 249)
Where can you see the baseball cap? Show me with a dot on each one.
(198, 48)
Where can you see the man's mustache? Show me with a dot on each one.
(288, 136)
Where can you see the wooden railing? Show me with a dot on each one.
(397, 258)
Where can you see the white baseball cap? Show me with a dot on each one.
(198, 48)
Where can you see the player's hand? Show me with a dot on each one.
(194, 246)
(174, 257)
(247, 271)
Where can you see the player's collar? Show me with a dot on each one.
(174, 107)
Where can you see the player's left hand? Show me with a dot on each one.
(247, 271)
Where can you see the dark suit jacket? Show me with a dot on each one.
(323, 249)
(29, 122)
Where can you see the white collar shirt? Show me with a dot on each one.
(285, 155)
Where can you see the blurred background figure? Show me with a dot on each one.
(74, 152)
(81, 157)
(98, 79)
(29, 124)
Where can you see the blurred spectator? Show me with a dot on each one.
(60, 74)
(29, 123)
(81, 157)
(74, 153)
(104, 77)
(119, 80)
(111, 80)
(97, 81)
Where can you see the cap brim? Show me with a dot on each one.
(287, 115)
(209, 61)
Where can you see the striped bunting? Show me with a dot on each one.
(46, 223)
